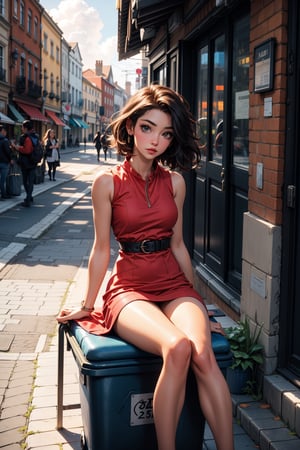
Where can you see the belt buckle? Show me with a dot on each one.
(142, 246)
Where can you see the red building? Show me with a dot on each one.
(103, 78)
(25, 96)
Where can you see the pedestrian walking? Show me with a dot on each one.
(25, 149)
(150, 300)
(97, 142)
(52, 153)
(5, 161)
(104, 144)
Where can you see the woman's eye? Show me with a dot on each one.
(168, 135)
(145, 127)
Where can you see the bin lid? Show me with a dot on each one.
(106, 347)
(110, 347)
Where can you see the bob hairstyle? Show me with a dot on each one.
(183, 151)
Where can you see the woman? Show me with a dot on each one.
(52, 153)
(150, 300)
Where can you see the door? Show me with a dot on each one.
(289, 342)
(222, 126)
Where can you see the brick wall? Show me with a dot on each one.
(267, 134)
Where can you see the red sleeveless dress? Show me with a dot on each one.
(140, 210)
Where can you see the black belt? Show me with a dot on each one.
(145, 246)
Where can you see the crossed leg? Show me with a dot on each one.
(191, 318)
(162, 330)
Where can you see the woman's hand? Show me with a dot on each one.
(71, 314)
(216, 327)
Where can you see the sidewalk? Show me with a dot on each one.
(28, 380)
(256, 418)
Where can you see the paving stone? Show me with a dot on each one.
(5, 342)
(277, 436)
(15, 400)
(19, 391)
(19, 410)
(26, 381)
(53, 438)
(43, 413)
(74, 446)
(12, 423)
(11, 437)
(285, 445)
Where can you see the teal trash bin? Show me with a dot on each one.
(117, 381)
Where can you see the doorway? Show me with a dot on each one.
(222, 110)
(289, 343)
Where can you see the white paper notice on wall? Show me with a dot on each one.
(268, 106)
(259, 175)
(258, 285)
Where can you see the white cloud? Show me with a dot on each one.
(82, 23)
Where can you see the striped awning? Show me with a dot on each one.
(17, 115)
(33, 112)
(54, 117)
(82, 123)
(6, 119)
(73, 123)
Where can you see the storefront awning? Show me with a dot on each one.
(74, 122)
(33, 112)
(82, 123)
(6, 119)
(18, 116)
(54, 117)
(139, 21)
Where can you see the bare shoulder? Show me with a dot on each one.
(103, 184)
(178, 182)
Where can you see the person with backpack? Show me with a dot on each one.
(28, 163)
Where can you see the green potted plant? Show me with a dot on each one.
(247, 355)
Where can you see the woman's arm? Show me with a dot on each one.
(177, 244)
(102, 194)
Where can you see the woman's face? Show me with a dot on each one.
(153, 133)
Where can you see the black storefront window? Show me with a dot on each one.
(222, 113)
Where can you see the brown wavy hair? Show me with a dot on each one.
(184, 150)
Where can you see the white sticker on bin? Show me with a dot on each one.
(141, 409)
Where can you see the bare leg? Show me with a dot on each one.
(144, 325)
(190, 317)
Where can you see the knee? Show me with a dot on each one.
(203, 361)
(178, 353)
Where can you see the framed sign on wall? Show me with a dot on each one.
(264, 66)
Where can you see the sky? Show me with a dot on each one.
(93, 24)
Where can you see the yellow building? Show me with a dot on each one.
(91, 103)
(51, 74)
